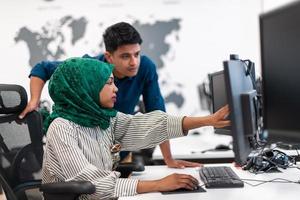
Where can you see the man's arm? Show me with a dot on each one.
(39, 74)
(36, 87)
(170, 162)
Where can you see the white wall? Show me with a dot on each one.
(210, 30)
(268, 5)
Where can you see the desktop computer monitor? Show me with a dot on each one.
(280, 60)
(218, 96)
(241, 97)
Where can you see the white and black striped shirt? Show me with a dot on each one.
(74, 152)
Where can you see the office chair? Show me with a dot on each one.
(6, 190)
(21, 152)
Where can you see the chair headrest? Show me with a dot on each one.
(13, 99)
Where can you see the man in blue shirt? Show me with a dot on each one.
(135, 75)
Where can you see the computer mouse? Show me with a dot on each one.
(222, 147)
(196, 133)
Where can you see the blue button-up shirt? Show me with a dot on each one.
(145, 83)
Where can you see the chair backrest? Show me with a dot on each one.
(21, 146)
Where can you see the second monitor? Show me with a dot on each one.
(218, 96)
(241, 97)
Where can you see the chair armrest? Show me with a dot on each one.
(131, 166)
(66, 190)
(126, 168)
(72, 187)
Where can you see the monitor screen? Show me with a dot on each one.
(218, 96)
(241, 98)
(218, 90)
(280, 59)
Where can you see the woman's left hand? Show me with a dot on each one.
(219, 118)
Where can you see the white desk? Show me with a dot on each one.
(191, 147)
(266, 191)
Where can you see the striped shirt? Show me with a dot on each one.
(74, 152)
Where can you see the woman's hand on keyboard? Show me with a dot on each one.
(176, 181)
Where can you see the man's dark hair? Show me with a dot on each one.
(120, 34)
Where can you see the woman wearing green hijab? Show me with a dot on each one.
(84, 128)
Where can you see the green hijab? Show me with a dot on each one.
(74, 87)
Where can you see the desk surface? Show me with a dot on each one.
(201, 148)
(192, 146)
(266, 191)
